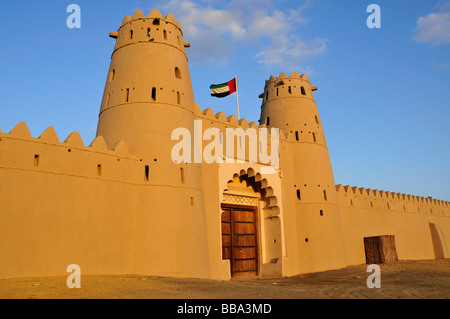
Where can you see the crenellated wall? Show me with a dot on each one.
(63, 203)
(367, 212)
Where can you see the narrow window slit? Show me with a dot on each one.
(303, 90)
(147, 172)
(182, 175)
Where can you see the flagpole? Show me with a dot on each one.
(237, 96)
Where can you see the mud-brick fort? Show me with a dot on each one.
(121, 205)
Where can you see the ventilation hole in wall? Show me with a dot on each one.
(153, 94)
(156, 21)
(351, 202)
(290, 90)
(274, 241)
(99, 169)
(36, 160)
(306, 240)
(178, 98)
(314, 137)
(182, 175)
(148, 32)
(69, 150)
(267, 95)
(268, 121)
(107, 100)
(147, 172)
(371, 204)
(296, 136)
(321, 212)
(177, 73)
(277, 91)
(155, 160)
(130, 35)
(165, 34)
(303, 90)
(192, 201)
(325, 195)
(299, 195)
(317, 120)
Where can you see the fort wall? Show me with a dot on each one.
(123, 206)
(59, 207)
(367, 212)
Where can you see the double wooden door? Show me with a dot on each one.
(240, 240)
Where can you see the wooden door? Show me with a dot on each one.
(240, 240)
(380, 249)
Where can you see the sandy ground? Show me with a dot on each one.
(400, 280)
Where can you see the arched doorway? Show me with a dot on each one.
(251, 233)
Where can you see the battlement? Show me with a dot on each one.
(223, 121)
(390, 201)
(154, 14)
(149, 29)
(284, 86)
(46, 154)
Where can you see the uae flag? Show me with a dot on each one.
(224, 89)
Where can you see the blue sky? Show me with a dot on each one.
(384, 94)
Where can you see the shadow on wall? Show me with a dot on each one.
(437, 238)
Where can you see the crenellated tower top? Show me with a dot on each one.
(287, 87)
(152, 28)
(288, 104)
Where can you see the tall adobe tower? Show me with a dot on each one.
(148, 91)
(148, 94)
(312, 213)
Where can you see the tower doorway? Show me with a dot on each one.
(240, 242)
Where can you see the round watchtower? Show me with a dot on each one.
(148, 94)
(288, 104)
(148, 91)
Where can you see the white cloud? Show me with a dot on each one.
(434, 28)
(214, 32)
(290, 53)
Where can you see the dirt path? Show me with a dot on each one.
(404, 279)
